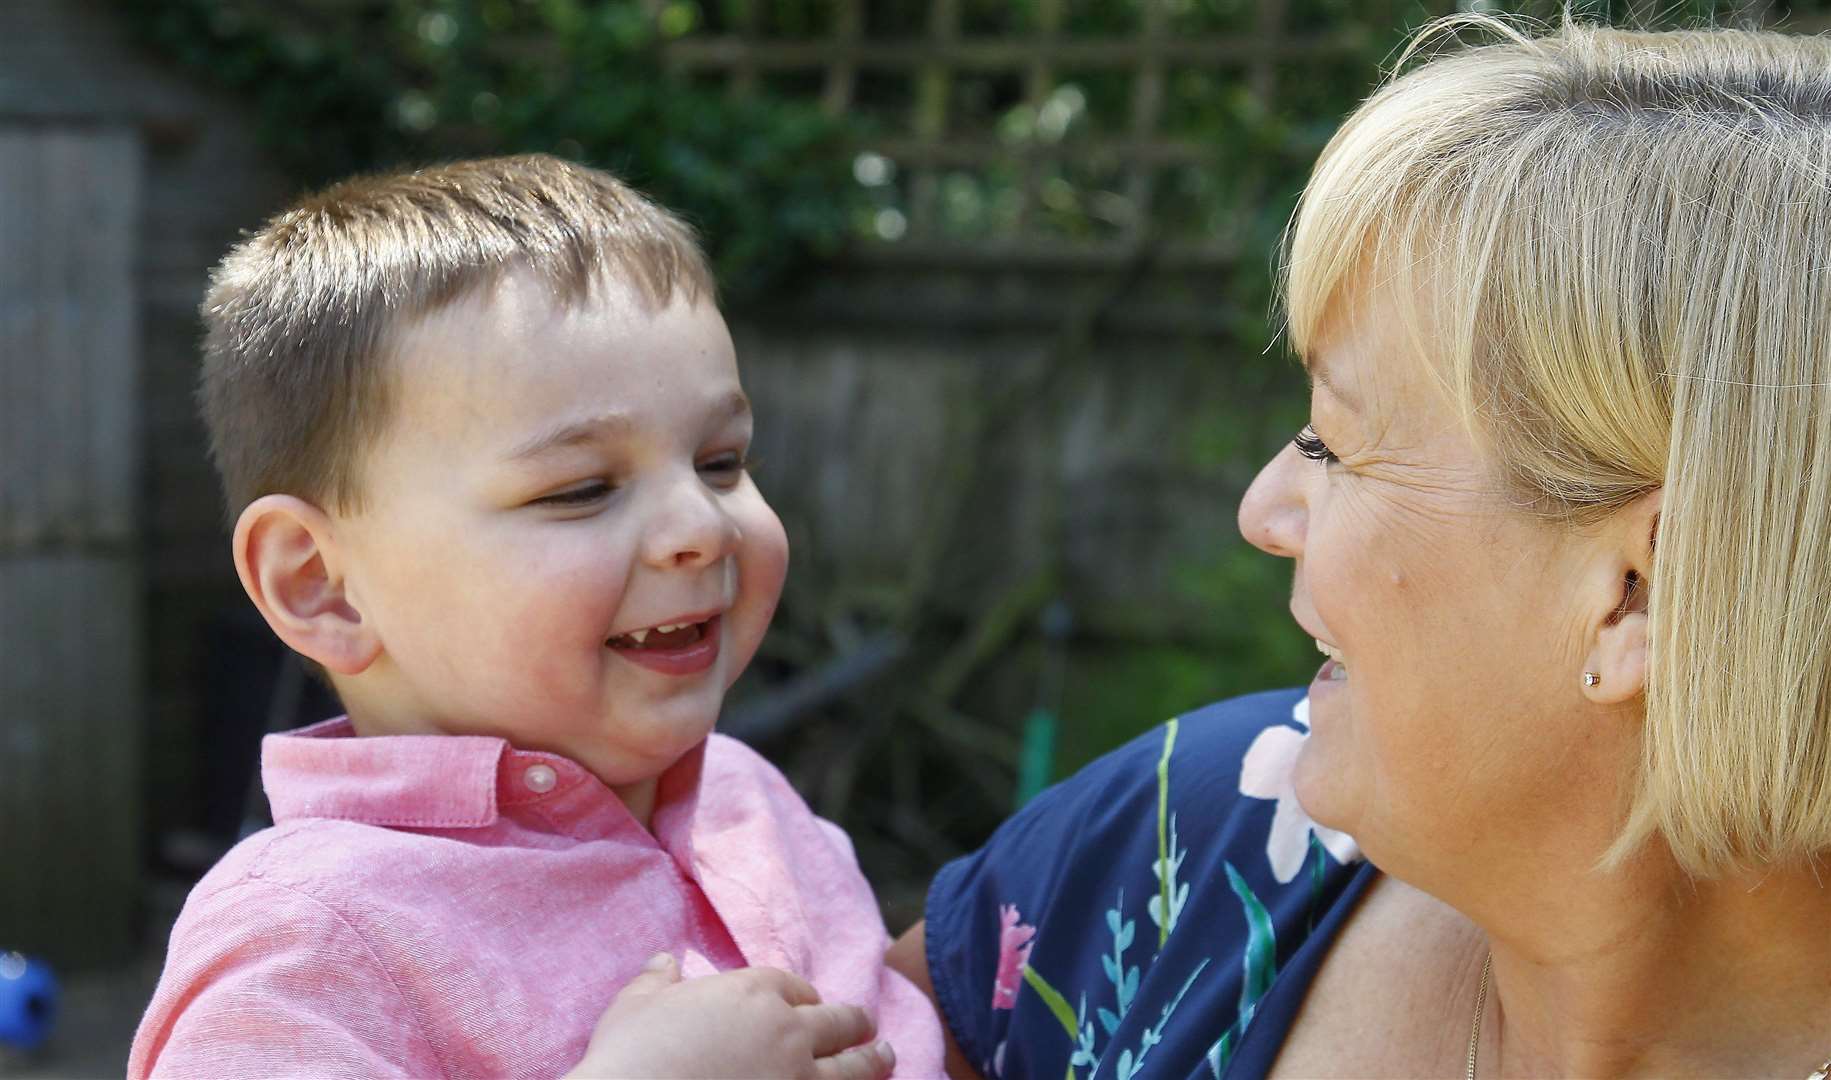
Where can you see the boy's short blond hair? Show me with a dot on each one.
(301, 317)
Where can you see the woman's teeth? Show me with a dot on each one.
(1333, 653)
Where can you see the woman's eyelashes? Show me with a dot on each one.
(1311, 446)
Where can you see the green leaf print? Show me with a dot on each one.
(1260, 962)
(1058, 1005)
(1318, 874)
(1129, 1063)
(1220, 1054)
(1166, 886)
(1124, 979)
(1261, 956)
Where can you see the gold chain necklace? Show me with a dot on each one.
(1823, 1072)
(1481, 1006)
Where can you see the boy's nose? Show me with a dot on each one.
(1273, 513)
(689, 529)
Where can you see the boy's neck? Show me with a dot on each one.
(639, 797)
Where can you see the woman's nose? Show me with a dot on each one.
(689, 528)
(1273, 514)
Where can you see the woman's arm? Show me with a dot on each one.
(908, 956)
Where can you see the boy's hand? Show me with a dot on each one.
(748, 1024)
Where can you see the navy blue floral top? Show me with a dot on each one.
(1159, 914)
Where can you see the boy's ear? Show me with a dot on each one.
(1618, 655)
(285, 552)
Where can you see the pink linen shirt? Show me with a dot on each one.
(446, 905)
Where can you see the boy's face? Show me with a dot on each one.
(555, 481)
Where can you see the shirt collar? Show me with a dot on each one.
(453, 782)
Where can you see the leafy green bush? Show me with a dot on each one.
(338, 89)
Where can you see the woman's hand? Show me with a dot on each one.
(753, 1022)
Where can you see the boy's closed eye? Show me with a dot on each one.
(578, 496)
(721, 471)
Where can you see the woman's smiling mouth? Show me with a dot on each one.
(1335, 669)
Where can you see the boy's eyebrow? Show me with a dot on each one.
(732, 405)
(594, 428)
(578, 431)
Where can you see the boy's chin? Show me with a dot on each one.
(664, 735)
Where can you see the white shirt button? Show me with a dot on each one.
(540, 778)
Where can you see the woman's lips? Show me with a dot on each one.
(1332, 670)
(690, 659)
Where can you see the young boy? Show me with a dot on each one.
(483, 432)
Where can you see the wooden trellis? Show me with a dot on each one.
(1105, 190)
(931, 139)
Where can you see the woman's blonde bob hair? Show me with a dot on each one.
(1618, 245)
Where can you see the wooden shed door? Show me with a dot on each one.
(70, 594)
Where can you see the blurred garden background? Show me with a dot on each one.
(1000, 275)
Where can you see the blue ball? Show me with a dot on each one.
(28, 1002)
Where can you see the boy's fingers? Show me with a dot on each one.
(791, 987)
(661, 972)
(836, 1027)
(873, 1062)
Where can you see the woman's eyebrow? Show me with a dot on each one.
(1319, 375)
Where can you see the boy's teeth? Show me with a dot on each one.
(665, 636)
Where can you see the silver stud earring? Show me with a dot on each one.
(1591, 678)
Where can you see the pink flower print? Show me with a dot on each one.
(1266, 774)
(1014, 947)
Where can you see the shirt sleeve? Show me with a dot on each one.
(983, 909)
(295, 993)
(1057, 943)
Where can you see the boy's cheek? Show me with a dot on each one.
(762, 567)
(767, 544)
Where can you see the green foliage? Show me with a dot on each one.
(923, 762)
(338, 89)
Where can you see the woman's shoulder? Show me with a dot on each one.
(1174, 877)
(1218, 776)
(1221, 732)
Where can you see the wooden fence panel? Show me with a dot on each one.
(70, 592)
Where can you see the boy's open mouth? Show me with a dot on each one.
(661, 638)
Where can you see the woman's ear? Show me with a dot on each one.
(1616, 669)
(285, 551)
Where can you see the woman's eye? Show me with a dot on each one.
(579, 496)
(1311, 446)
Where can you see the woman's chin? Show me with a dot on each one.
(1320, 786)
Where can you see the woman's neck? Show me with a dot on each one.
(1646, 972)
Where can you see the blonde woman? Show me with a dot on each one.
(1561, 522)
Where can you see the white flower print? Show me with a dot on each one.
(1266, 774)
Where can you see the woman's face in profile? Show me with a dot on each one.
(1447, 719)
